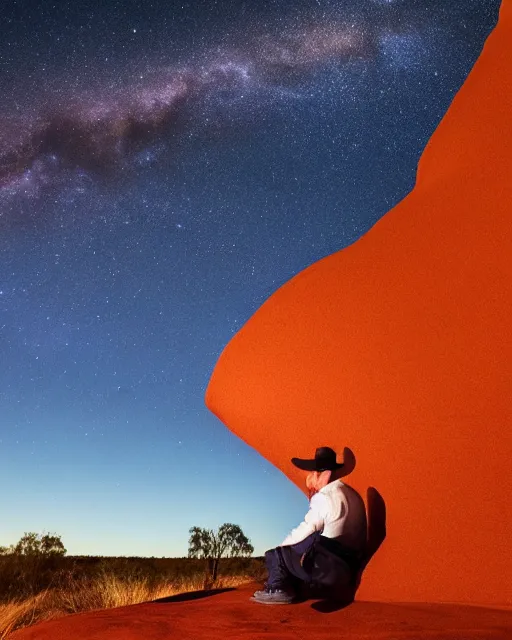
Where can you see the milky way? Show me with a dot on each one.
(107, 134)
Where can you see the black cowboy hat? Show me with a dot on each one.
(324, 460)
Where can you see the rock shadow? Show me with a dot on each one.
(192, 595)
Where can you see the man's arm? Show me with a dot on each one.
(313, 521)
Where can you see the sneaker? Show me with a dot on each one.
(273, 596)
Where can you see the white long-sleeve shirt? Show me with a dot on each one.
(337, 511)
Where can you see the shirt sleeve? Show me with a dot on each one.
(313, 521)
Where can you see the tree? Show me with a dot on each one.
(228, 541)
(34, 544)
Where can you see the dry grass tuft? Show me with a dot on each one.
(105, 592)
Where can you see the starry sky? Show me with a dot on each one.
(164, 167)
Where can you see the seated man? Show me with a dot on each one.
(326, 550)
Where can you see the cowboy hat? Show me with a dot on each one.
(324, 460)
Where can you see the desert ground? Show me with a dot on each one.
(229, 613)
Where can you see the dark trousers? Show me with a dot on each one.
(326, 564)
(284, 564)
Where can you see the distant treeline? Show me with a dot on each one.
(165, 558)
(182, 567)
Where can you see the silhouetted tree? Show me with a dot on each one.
(35, 544)
(229, 541)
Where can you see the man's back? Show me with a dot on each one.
(346, 515)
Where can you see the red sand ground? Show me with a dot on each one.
(399, 347)
(230, 615)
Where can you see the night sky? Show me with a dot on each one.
(164, 168)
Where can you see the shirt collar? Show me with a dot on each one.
(332, 486)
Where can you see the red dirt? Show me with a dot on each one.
(399, 347)
(231, 615)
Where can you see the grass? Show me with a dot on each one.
(103, 591)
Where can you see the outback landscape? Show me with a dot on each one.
(39, 582)
(395, 348)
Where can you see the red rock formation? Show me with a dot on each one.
(400, 347)
(231, 615)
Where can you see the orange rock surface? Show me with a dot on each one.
(400, 348)
(231, 615)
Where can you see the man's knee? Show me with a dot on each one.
(272, 559)
(270, 554)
